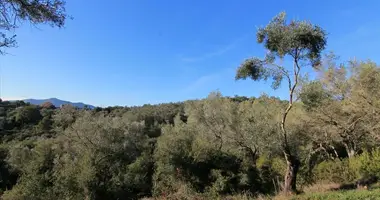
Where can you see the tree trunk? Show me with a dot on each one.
(349, 149)
(335, 152)
(293, 165)
(252, 154)
(351, 153)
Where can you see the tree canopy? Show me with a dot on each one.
(15, 12)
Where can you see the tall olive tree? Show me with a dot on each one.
(303, 43)
(14, 12)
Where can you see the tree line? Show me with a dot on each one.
(326, 130)
(217, 146)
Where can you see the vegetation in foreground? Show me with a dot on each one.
(347, 195)
(326, 195)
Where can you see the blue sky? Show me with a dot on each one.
(125, 52)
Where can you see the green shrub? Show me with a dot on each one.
(335, 171)
(278, 165)
(348, 170)
(370, 163)
(272, 172)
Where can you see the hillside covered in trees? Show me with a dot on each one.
(326, 132)
(214, 147)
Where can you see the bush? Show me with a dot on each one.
(181, 159)
(336, 171)
(272, 174)
(370, 163)
(366, 164)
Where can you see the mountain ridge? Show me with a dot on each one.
(58, 102)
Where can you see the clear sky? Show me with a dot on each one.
(132, 52)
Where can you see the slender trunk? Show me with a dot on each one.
(293, 165)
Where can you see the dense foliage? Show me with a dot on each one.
(210, 147)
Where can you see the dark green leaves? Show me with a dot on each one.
(312, 95)
(34, 11)
(256, 69)
(251, 68)
(299, 39)
(13, 12)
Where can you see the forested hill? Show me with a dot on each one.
(58, 102)
(33, 116)
(199, 148)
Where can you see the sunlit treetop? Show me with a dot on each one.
(301, 40)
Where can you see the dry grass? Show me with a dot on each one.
(316, 191)
(321, 187)
(315, 188)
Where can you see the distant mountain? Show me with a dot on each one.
(57, 102)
